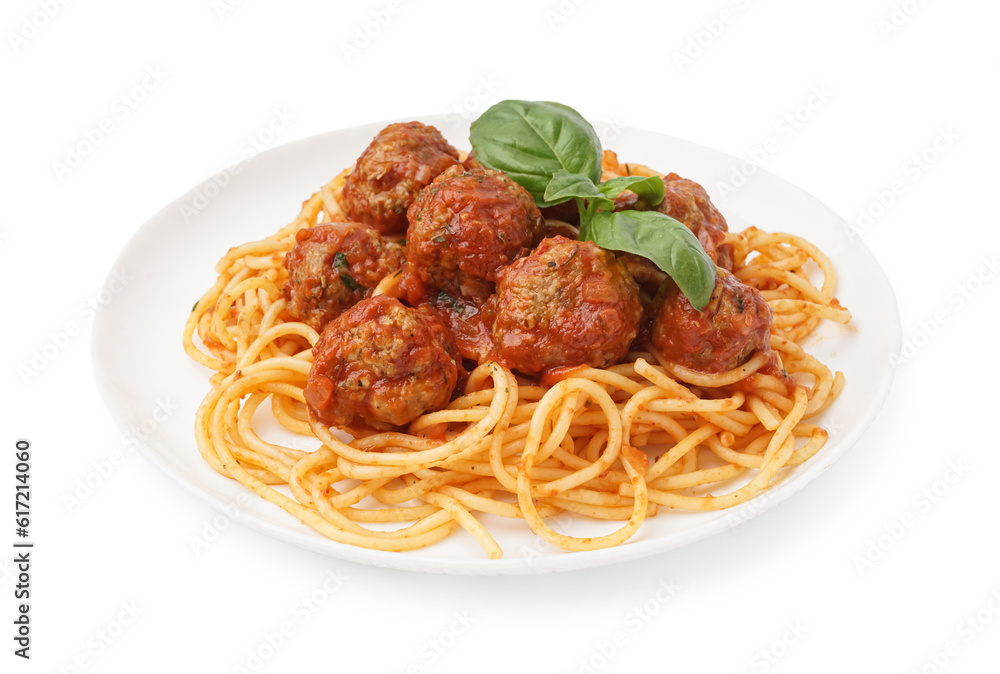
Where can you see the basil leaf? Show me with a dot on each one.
(667, 243)
(565, 186)
(649, 188)
(531, 141)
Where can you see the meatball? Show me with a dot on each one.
(686, 201)
(400, 161)
(466, 225)
(568, 303)
(381, 364)
(735, 324)
(334, 266)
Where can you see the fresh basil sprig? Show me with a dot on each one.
(649, 188)
(554, 153)
(532, 141)
(565, 186)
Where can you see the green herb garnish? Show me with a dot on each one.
(444, 299)
(554, 153)
(349, 281)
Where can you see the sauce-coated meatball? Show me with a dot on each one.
(686, 201)
(568, 303)
(400, 161)
(334, 266)
(466, 225)
(381, 364)
(735, 324)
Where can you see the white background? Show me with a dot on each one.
(818, 584)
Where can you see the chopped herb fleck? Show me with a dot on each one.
(195, 306)
(340, 260)
(349, 281)
(438, 239)
(575, 251)
(449, 301)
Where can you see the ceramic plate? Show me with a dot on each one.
(152, 389)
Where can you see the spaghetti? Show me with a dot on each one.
(616, 443)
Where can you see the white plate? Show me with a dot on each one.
(142, 370)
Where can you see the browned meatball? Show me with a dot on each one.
(334, 266)
(568, 303)
(399, 162)
(466, 225)
(381, 364)
(686, 201)
(735, 324)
